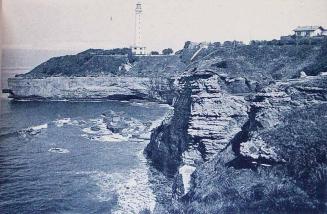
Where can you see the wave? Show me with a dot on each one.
(30, 131)
(39, 127)
(66, 121)
(133, 190)
(34, 130)
(62, 122)
(59, 150)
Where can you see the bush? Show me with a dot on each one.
(167, 51)
(154, 53)
(187, 44)
(228, 44)
(321, 65)
(216, 44)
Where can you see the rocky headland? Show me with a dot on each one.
(100, 74)
(248, 131)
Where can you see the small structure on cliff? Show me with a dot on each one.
(310, 31)
(138, 48)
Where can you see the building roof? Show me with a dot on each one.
(308, 28)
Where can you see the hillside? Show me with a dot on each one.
(115, 62)
(258, 62)
(250, 125)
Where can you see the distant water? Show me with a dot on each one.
(9, 73)
(58, 157)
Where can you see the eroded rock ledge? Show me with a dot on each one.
(251, 151)
(93, 88)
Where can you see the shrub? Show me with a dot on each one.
(154, 53)
(167, 51)
(187, 44)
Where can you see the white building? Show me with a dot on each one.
(138, 48)
(309, 31)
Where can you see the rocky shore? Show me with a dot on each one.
(255, 141)
(247, 133)
(100, 74)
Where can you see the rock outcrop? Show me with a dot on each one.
(90, 88)
(205, 119)
(100, 74)
(252, 136)
(279, 165)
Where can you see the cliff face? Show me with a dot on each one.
(170, 139)
(279, 164)
(100, 74)
(252, 136)
(88, 88)
(204, 121)
(260, 151)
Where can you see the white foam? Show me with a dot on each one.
(59, 150)
(135, 195)
(265, 164)
(111, 138)
(89, 131)
(132, 188)
(37, 128)
(186, 172)
(63, 121)
(34, 130)
(102, 134)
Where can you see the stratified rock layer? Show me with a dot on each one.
(89, 88)
(254, 129)
(278, 163)
(205, 119)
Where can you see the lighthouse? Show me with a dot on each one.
(138, 48)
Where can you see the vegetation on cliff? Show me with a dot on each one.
(277, 162)
(115, 62)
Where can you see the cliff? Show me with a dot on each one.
(93, 88)
(247, 134)
(277, 162)
(100, 74)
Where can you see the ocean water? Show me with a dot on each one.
(59, 157)
(10, 73)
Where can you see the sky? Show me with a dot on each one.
(82, 24)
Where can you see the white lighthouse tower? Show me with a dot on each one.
(138, 48)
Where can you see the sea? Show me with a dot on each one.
(60, 157)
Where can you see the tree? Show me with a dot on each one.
(187, 44)
(217, 44)
(154, 53)
(167, 51)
